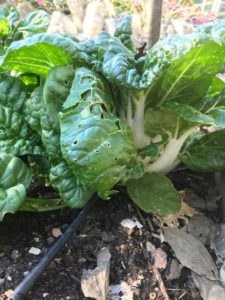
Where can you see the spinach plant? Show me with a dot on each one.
(101, 118)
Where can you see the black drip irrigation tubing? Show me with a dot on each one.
(23, 288)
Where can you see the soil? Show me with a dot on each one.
(130, 260)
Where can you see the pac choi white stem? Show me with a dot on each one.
(137, 122)
(168, 160)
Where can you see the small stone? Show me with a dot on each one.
(15, 254)
(160, 259)
(25, 273)
(35, 251)
(150, 247)
(56, 232)
(1, 281)
(9, 278)
(45, 295)
(82, 260)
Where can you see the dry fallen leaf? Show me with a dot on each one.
(197, 202)
(174, 270)
(190, 252)
(209, 290)
(219, 242)
(130, 224)
(202, 228)
(222, 274)
(121, 291)
(185, 211)
(124, 290)
(95, 283)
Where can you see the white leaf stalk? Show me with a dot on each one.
(136, 121)
(168, 160)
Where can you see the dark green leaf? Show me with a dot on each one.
(206, 154)
(14, 178)
(154, 193)
(96, 135)
(73, 193)
(188, 78)
(56, 90)
(35, 22)
(16, 136)
(13, 92)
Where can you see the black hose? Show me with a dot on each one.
(25, 285)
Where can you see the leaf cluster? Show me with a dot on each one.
(88, 116)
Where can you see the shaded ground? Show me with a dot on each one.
(130, 259)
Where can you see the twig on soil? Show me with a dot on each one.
(184, 292)
(150, 224)
(140, 215)
(182, 295)
(157, 236)
(160, 283)
(123, 265)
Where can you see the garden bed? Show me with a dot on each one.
(130, 261)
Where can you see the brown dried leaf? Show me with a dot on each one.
(185, 211)
(202, 228)
(219, 242)
(209, 290)
(95, 283)
(190, 252)
(174, 271)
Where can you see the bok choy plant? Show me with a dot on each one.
(100, 118)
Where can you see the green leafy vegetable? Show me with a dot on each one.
(15, 177)
(161, 199)
(92, 116)
(206, 154)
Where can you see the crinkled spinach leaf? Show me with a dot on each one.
(15, 177)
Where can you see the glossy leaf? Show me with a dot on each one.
(124, 32)
(56, 89)
(11, 199)
(96, 135)
(39, 53)
(189, 113)
(154, 193)
(73, 193)
(15, 177)
(16, 136)
(13, 92)
(206, 154)
(33, 109)
(35, 22)
(188, 78)
(13, 171)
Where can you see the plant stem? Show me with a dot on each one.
(168, 160)
(41, 205)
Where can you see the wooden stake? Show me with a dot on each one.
(155, 21)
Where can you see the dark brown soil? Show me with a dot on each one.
(130, 260)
